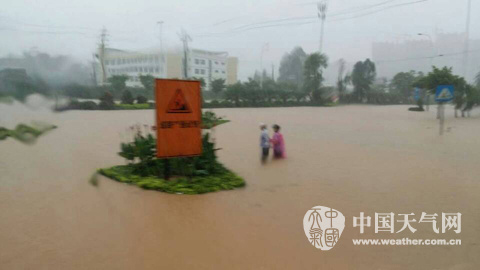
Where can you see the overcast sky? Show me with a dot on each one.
(237, 26)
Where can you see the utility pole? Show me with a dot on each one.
(185, 38)
(102, 46)
(467, 40)
(94, 70)
(322, 15)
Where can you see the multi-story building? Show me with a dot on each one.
(207, 65)
(441, 50)
(131, 63)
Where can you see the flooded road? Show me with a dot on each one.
(352, 158)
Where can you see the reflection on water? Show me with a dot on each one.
(354, 158)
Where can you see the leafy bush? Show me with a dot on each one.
(127, 97)
(191, 175)
(141, 99)
(106, 101)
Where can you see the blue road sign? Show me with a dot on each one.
(416, 93)
(444, 93)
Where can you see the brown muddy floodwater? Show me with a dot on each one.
(352, 158)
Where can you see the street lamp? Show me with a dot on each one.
(433, 47)
(434, 54)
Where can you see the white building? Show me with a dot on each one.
(201, 64)
(133, 64)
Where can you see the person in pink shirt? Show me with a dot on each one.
(278, 143)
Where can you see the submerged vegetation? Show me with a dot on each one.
(189, 175)
(25, 133)
(222, 179)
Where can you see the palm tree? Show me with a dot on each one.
(313, 66)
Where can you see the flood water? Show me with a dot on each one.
(351, 158)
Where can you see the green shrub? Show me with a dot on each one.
(141, 99)
(127, 97)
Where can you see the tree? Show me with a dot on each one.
(269, 88)
(18, 84)
(342, 80)
(477, 80)
(363, 76)
(285, 91)
(218, 86)
(127, 97)
(77, 90)
(291, 67)
(118, 82)
(106, 101)
(445, 76)
(147, 81)
(251, 92)
(141, 99)
(234, 93)
(402, 84)
(313, 75)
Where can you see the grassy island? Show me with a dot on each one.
(189, 175)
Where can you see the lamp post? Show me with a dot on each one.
(434, 54)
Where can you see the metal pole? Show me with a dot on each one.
(434, 54)
(442, 117)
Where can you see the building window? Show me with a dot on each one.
(223, 71)
(196, 61)
(196, 71)
(216, 70)
(223, 63)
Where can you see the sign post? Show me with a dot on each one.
(178, 116)
(443, 94)
(416, 94)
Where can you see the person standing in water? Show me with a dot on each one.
(278, 143)
(264, 142)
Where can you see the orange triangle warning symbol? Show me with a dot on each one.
(178, 104)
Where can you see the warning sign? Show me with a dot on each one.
(178, 104)
(178, 113)
(444, 93)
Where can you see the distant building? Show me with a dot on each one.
(204, 64)
(419, 55)
(131, 63)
